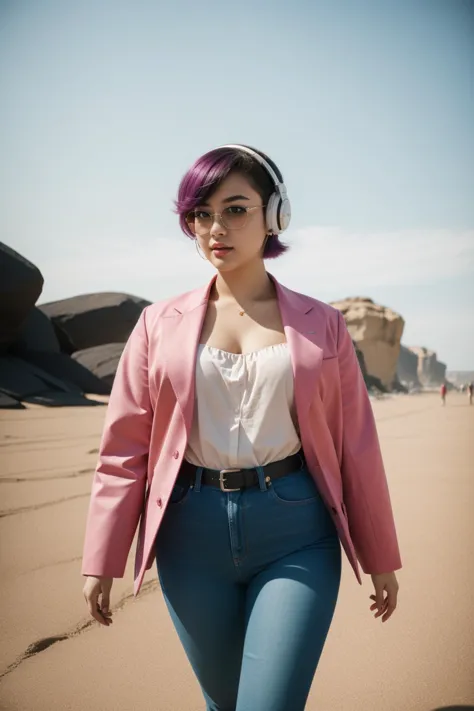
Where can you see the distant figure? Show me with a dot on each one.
(443, 393)
(470, 389)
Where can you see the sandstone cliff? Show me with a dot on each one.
(407, 368)
(377, 332)
(430, 370)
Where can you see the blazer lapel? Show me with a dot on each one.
(301, 335)
(182, 328)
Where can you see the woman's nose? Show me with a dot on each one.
(217, 227)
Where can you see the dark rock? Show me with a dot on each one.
(90, 320)
(26, 382)
(21, 284)
(9, 403)
(36, 334)
(360, 358)
(101, 360)
(20, 379)
(70, 371)
(56, 399)
(64, 341)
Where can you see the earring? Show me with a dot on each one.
(268, 236)
(196, 244)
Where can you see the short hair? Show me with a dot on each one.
(210, 170)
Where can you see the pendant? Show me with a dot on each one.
(241, 313)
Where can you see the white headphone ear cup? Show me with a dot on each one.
(284, 215)
(272, 213)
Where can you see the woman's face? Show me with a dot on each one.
(235, 239)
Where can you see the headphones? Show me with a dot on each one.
(278, 212)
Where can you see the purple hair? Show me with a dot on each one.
(208, 172)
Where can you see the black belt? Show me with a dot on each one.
(235, 479)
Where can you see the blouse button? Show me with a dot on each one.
(160, 503)
(176, 454)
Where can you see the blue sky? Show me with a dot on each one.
(367, 108)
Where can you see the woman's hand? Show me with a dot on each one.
(93, 589)
(385, 605)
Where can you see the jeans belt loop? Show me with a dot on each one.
(197, 479)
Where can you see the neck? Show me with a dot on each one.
(246, 285)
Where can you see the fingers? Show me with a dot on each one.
(391, 605)
(105, 616)
(390, 609)
(379, 599)
(388, 606)
(105, 602)
(378, 605)
(96, 610)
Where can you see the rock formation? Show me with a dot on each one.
(374, 385)
(36, 334)
(35, 349)
(21, 283)
(101, 360)
(93, 320)
(377, 331)
(22, 381)
(430, 370)
(407, 368)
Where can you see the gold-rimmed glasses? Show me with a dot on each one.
(233, 217)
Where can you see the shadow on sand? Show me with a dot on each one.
(454, 708)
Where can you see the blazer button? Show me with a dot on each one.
(160, 503)
(176, 454)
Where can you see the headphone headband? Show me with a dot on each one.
(260, 159)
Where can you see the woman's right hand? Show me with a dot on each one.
(95, 588)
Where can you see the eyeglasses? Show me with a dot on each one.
(233, 217)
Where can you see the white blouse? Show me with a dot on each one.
(244, 412)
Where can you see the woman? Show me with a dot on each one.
(240, 434)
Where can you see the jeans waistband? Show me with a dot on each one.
(234, 479)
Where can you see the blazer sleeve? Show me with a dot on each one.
(119, 483)
(365, 489)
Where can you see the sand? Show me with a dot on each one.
(53, 657)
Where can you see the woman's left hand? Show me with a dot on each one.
(384, 604)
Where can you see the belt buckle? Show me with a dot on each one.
(221, 479)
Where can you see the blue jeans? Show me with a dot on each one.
(251, 580)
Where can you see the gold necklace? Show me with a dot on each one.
(241, 313)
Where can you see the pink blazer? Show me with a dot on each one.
(149, 418)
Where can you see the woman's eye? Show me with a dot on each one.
(235, 210)
(201, 214)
